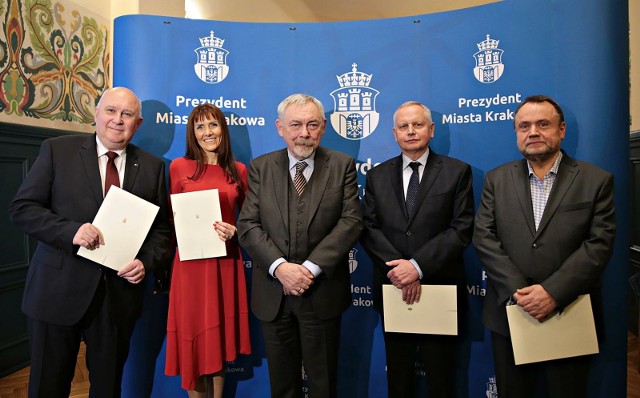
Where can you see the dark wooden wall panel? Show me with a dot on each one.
(19, 147)
(634, 234)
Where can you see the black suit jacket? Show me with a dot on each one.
(63, 191)
(568, 252)
(335, 223)
(437, 233)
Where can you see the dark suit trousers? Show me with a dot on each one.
(54, 351)
(564, 378)
(297, 336)
(437, 354)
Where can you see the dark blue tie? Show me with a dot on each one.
(412, 189)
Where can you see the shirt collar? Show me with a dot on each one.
(554, 168)
(422, 159)
(103, 149)
(310, 161)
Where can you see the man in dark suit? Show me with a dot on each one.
(418, 215)
(68, 298)
(544, 233)
(298, 224)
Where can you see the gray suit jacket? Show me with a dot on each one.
(63, 191)
(335, 223)
(435, 236)
(568, 252)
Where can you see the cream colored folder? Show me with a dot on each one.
(124, 221)
(435, 313)
(194, 214)
(567, 334)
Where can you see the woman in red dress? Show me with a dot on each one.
(208, 322)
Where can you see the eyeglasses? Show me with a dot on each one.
(125, 115)
(541, 125)
(312, 126)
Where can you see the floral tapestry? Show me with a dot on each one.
(54, 64)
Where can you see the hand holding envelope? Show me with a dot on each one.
(567, 334)
(435, 313)
(194, 214)
(124, 220)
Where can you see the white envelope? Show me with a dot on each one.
(568, 334)
(194, 214)
(435, 313)
(124, 221)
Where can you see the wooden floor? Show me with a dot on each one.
(15, 385)
(633, 367)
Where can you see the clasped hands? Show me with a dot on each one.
(295, 278)
(403, 275)
(89, 237)
(536, 301)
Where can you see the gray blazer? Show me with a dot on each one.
(334, 226)
(568, 252)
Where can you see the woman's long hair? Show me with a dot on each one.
(195, 152)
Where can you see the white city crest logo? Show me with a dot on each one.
(489, 66)
(354, 105)
(211, 61)
(353, 260)
(492, 388)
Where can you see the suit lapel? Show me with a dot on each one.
(566, 175)
(89, 156)
(320, 176)
(131, 168)
(520, 179)
(280, 177)
(396, 184)
(429, 176)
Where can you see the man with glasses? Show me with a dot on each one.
(544, 233)
(68, 298)
(298, 223)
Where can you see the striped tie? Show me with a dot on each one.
(298, 180)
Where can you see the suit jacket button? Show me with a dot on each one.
(409, 233)
(535, 245)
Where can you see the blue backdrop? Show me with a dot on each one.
(471, 67)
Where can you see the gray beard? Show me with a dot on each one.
(303, 151)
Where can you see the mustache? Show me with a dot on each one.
(305, 142)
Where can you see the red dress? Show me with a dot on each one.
(208, 321)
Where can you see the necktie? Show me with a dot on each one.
(412, 189)
(111, 175)
(298, 180)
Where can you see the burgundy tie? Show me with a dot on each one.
(111, 176)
